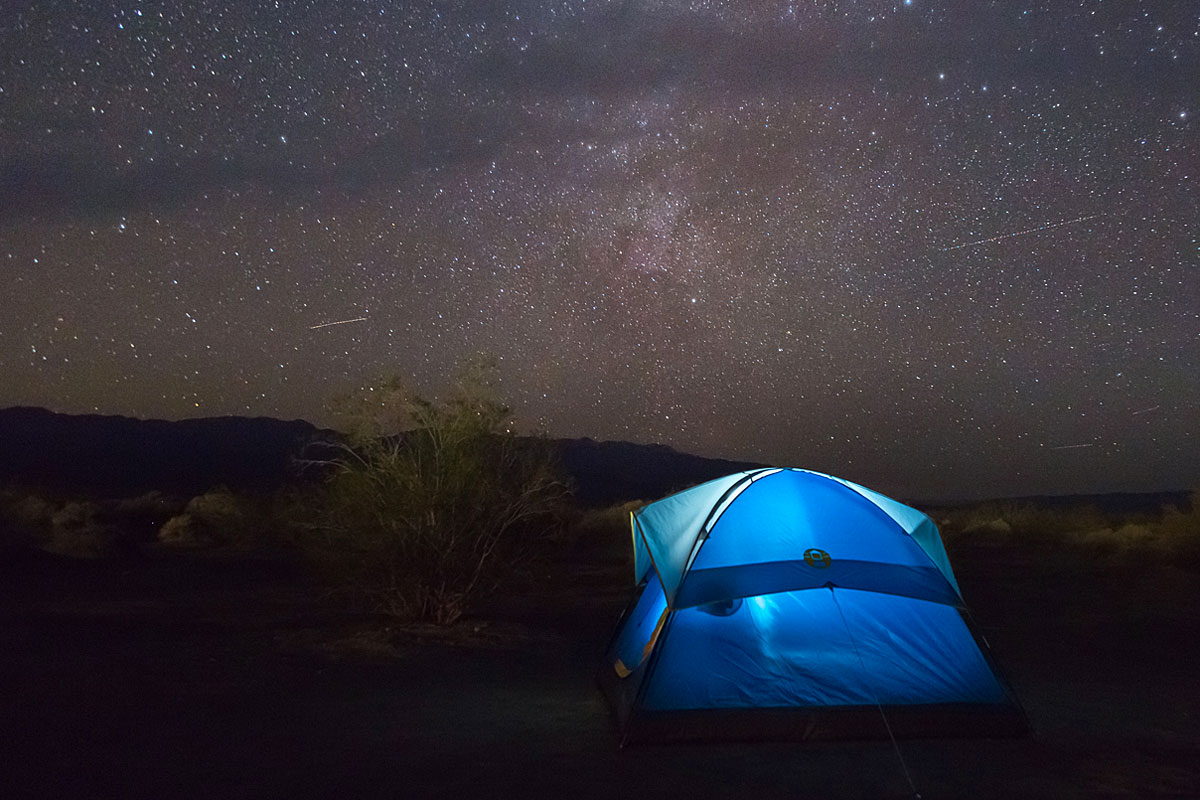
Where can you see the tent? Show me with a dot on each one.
(785, 603)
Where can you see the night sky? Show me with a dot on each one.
(944, 249)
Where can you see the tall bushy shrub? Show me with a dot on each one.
(420, 513)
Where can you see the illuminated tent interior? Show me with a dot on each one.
(784, 603)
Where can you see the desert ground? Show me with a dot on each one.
(192, 673)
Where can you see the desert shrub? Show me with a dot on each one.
(1118, 541)
(1022, 518)
(1169, 535)
(184, 530)
(24, 519)
(1179, 533)
(429, 502)
(30, 510)
(77, 530)
(216, 518)
(993, 525)
(1030, 518)
(987, 517)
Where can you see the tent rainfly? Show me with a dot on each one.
(785, 603)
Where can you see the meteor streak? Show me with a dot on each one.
(1027, 232)
(1073, 446)
(338, 322)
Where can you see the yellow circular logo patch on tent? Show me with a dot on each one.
(816, 558)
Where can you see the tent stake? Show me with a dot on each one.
(863, 667)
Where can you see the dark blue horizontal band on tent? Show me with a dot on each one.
(702, 586)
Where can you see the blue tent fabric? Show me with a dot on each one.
(919, 527)
(793, 594)
(792, 649)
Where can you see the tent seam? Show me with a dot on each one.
(701, 538)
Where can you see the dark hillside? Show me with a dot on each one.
(118, 457)
(113, 456)
(615, 472)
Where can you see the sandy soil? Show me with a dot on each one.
(180, 677)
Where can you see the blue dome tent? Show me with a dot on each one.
(785, 603)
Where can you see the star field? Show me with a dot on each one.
(942, 249)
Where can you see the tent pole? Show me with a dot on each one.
(862, 666)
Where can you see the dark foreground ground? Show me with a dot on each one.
(179, 676)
